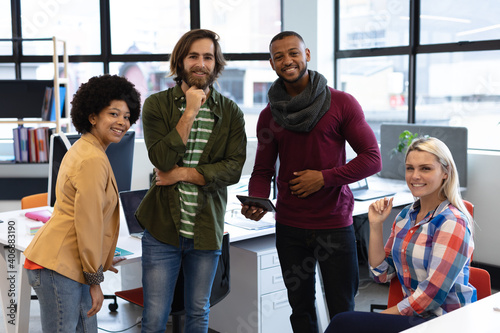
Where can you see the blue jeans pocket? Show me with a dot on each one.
(34, 277)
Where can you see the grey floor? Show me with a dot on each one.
(128, 314)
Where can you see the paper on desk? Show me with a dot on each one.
(237, 219)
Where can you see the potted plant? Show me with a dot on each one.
(404, 141)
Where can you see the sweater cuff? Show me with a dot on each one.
(94, 278)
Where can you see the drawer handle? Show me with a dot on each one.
(280, 304)
(277, 279)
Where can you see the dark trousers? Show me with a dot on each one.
(361, 322)
(335, 251)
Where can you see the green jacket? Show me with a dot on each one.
(220, 164)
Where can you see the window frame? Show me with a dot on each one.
(105, 57)
(412, 50)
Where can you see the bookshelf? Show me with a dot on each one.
(58, 81)
(22, 179)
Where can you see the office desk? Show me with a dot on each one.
(478, 317)
(19, 239)
(14, 288)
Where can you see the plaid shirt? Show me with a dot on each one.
(431, 259)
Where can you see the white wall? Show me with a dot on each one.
(482, 190)
(315, 29)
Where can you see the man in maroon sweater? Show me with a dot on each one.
(307, 124)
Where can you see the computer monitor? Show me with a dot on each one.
(22, 98)
(120, 155)
(456, 138)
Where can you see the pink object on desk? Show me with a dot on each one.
(39, 215)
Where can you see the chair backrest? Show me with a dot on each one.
(470, 207)
(34, 200)
(395, 293)
(481, 280)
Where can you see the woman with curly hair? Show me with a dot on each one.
(68, 256)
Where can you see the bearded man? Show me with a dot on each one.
(196, 141)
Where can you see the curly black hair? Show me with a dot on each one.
(98, 93)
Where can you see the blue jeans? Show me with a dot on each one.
(161, 264)
(299, 251)
(64, 303)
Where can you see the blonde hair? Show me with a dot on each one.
(450, 189)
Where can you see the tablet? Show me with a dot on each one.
(263, 203)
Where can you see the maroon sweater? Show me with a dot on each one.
(323, 148)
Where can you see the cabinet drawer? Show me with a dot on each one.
(269, 260)
(271, 280)
(275, 313)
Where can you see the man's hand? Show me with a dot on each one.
(179, 174)
(253, 213)
(194, 100)
(169, 177)
(306, 183)
(97, 299)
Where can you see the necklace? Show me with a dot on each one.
(431, 217)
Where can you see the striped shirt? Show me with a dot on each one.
(431, 259)
(198, 138)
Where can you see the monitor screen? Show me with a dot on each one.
(456, 138)
(22, 98)
(120, 155)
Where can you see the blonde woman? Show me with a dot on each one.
(429, 249)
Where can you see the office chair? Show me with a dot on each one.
(476, 275)
(481, 280)
(34, 200)
(220, 288)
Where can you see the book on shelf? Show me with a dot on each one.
(43, 135)
(47, 98)
(49, 103)
(31, 145)
(17, 145)
(23, 139)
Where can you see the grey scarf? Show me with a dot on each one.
(302, 112)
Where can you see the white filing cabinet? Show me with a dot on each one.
(258, 300)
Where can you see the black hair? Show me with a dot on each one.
(97, 94)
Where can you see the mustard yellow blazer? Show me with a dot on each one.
(79, 240)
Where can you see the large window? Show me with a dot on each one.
(423, 61)
(147, 26)
(76, 22)
(135, 39)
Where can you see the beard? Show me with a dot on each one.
(301, 74)
(200, 83)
